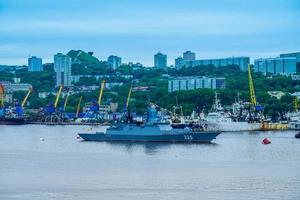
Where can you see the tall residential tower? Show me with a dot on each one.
(160, 61)
(35, 64)
(62, 67)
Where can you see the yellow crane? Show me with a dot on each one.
(26, 97)
(58, 95)
(66, 101)
(78, 107)
(251, 87)
(101, 92)
(296, 104)
(1, 96)
(128, 97)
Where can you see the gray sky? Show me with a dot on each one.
(137, 29)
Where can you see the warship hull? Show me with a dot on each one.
(150, 134)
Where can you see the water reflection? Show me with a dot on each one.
(237, 166)
(152, 148)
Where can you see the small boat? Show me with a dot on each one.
(150, 133)
(297, 135)
(12, 116)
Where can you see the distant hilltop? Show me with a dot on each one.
(82, 57)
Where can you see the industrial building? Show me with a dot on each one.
(193, 83)
(241, 62)
(283, 66)
(296, 55)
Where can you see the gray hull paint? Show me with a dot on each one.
(150, 134)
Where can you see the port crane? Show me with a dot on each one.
(101, 92)
(66, 101)
(1, 96)
(57, 96)
(93, 112)
(257, 108)
(128, 97)
(127, 114)
(78, 107)
(26, 97)
(251, 87)
(51, 113)
(296, 104)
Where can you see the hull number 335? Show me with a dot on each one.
(188, 137)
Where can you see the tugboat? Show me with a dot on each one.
(12, 116)
(151, 131)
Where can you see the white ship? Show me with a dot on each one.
(223, 121)
(294, 120)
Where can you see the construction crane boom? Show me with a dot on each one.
(1, 96)
(128, 97)
(78, 107)
(251, 87)
(26, 97)
(58, 95)
(101, 92)
(296, 104)
(66, 101)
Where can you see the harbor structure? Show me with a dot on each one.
(114, 62)
(193, 83)
(35, 64)
(160, 61)
(280, 65)
(15, 87)
(62, 67)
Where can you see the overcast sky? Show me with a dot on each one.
(137, 29)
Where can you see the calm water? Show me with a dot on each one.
(237, 167)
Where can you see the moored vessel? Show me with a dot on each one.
(150, 133)
(225, 121)
(152, 130)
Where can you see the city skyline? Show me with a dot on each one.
(210, 29)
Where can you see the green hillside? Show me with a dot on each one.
(83, 57)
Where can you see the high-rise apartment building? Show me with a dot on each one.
(114, 61)
(189, 56)
(62, 67)
(160, 61)
(35, 64)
